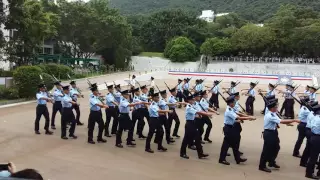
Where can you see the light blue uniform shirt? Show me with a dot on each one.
(310, 119)
(172, 100)
(117, 96)
(198, 87)
(110, 99)
(65, 101)
(204, 103)
(74, 94)
(270, 93)
(124, 105)
(93, 103)
(306, 93)
(41, 95)
(236, 107)
(144, 98)
(230, 116)
(287, 94)
(186, 86)
(303, 114)
(162, 104)
(232, 90)
(5, 174)
(197, 106)
(191, 112)
(136, 99)
(179, 87)
(266, 111)
(271, 120)
(315, 125)
(153, 110)
(252, 93)
(57, 95)
(313, 97)
(215, 89)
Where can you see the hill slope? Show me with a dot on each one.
(257, 10)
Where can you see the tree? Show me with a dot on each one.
(216, 47)
(31, 25)
(180, 49)
(2, 21)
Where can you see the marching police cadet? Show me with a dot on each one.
(284, 104)
(303, 115)
(197, 87)
(271, 145)
(151, 89)
(251, 98)
(288, 104)
(117, 96)
(111, 112)
(214, 99)
(75, 94)
(57, 95)
(42, 109)
(67, 114)
(144, 110)
(186, 87)
(179, 91)
(206, 119)
(313, 95)
(314, 145)
(95, 116)
(191, 133)
(306, 152)
(269, 99)
(232, 88)
(124, 119)
(173, 116)
(269, 92)
(306, 92)
(155, 124)
(163, 116)
(199, 121)
(230, 133)
(137, 114)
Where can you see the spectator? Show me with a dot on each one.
(26, 173)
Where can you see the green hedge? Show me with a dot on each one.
(9, 93)
(59, 71)
(26, 79)
(4, 73)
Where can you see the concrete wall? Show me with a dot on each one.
(266, 68)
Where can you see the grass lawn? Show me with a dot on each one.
(151, 54)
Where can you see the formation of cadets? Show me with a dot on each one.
(159, 111)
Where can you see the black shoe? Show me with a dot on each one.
(240, 153)
(176, 135)
(101, 140)
(312, 176)
(131, 144)
(274, 165)
(64, 137)
(91, 142)
(241, 160)
(265, 169)
(37, 132)
(192, 147)
(224, 162)
(163, 149)
(142, 137)
(113, 134)
(208, 140)
(155, 142)
(107, 135)
(303, 165)
(80, 124)
(149, 150)
(119, 145)
(296, 155)
(202, 156)
(202, 142)
(228, 154)
(53, 127)
(170, 141)
(184, 156)
(133, 140)
(73, 136)
(49, 132)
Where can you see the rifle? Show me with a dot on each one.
(99, 97)
(111, 92)
(167, 85)
(216, 85)
(138, 84)
(244, 111)
(257, 82)
(55, 78)
(48, 93)
(78, 89)
(225, 100)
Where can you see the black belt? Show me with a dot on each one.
(303, 122)
(94, 110)
(228, 125)
(124, 113)
(111, 106)
(67, 107)
(315, 134)
(270, 130)
(308, 128)
(42, 104)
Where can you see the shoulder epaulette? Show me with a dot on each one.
(272, 115)
(153, 103)
(229, 109)
(304, 108)
(189, 105)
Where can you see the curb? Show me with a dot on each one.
(17, 104)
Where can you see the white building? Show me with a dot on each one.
(221, 14)
(207, 15)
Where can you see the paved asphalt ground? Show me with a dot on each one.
(58, 159)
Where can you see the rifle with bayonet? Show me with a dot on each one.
(78, 89)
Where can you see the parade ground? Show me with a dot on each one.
(58, 159)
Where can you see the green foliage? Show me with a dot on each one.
(216, 46)
(103, 68)
(256, 10)
(78, 76)
(180, 49)
(26, 79)
(4, 73)
(59, 71)
(8, 93)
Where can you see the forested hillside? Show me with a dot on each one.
(256, 10)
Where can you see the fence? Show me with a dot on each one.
(283, 60)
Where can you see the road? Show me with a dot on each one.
(58, 159)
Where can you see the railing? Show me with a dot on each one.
(250, 59)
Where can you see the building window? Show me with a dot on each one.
(48, 51)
